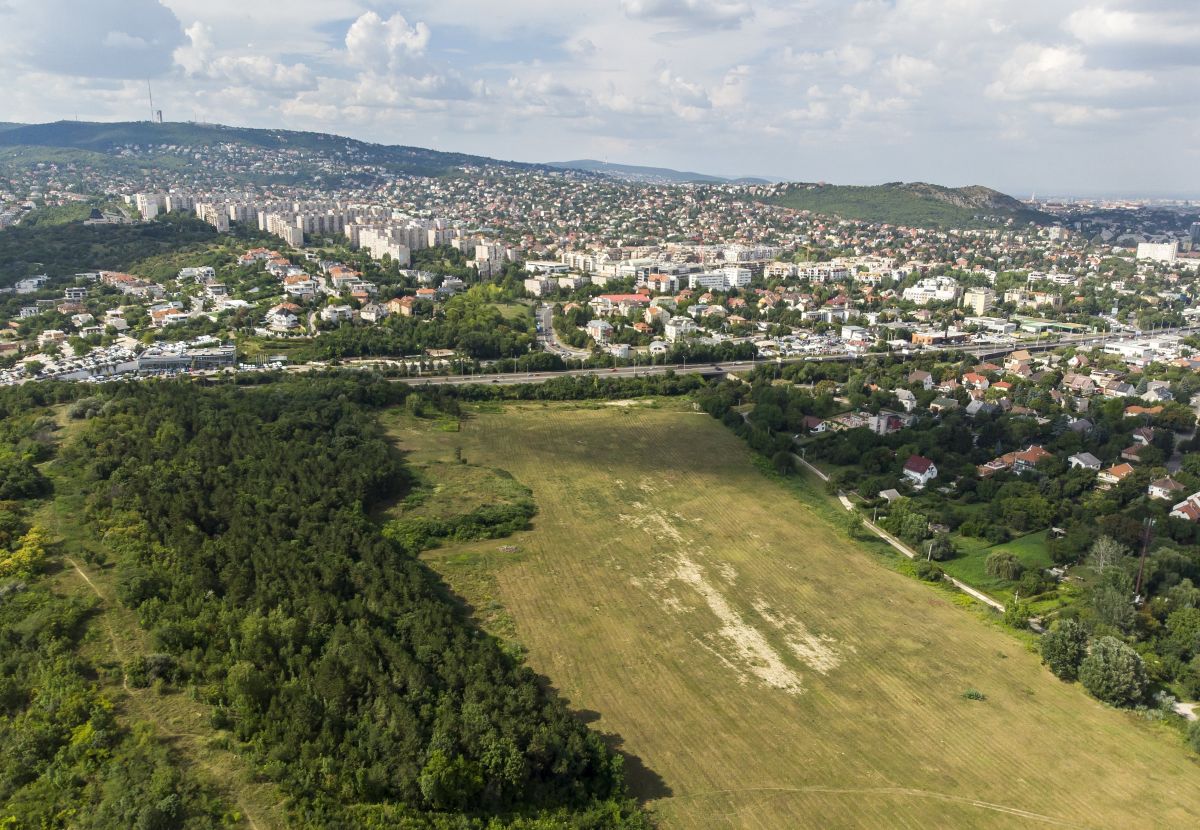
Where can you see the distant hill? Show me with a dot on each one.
(109, 138)
(914, 203)
(7, 125)
(654, 175)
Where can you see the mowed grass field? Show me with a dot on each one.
(758, 668)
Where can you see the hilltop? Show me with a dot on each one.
(97, 140)
(652, 175)
(908, 203)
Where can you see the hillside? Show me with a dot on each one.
(109, 139)
(911, 203)
(652, 175)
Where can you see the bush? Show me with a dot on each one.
(1193, 735)
(1003, 565)
(1113, 672)
(997, 534)
(1063, 648)
(1033, 583)
(974, 694)
(942, 548)
(929, 571)
(1016, 614)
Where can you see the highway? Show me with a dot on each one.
(985, 352)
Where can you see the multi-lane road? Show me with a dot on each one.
(549, 340)
(727, 367)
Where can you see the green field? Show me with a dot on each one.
(515, 311)
(756, 667)
(973, 553)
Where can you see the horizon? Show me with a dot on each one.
(1017, 193)
(1070, 96)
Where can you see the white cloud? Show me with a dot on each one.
(200, 59)
(96, 39)
(377, 44)
(196, 53)
(1036, 71)
(910, 74)
(689, 14)
(850, 59)
(1104, 26)
(1075, 115)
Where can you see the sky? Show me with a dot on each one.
(1057, 97)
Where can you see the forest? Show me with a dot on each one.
(238, 523)
(60, 250)
(66, 760)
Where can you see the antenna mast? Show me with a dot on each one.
(151, 94)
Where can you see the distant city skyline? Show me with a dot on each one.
(1062, 97)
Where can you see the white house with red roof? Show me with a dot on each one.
(920, 470)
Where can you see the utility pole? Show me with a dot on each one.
(1147, 532)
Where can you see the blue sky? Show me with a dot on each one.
(1062, 96)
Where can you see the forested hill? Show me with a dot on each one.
(108, 139)
(914, 204)
(235, 526)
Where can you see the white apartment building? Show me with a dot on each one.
(679, 327)
(149, 205)
(1157, 251)
(751, 253)
(541, 286)
(380, 240)
(722, 280)
(932, 290)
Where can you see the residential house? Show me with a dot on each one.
(1114, 475)
(1084, 461)
(372, 312)
(599, 330)
(401, 305)
(921, 377)
(920, 470)
(1188, 509)
(1143, 435)
(1164, 488)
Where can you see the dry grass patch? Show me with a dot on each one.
(761, 670)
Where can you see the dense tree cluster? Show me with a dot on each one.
(238, 518)
(65, 759)
(60, 250)
(471, 324)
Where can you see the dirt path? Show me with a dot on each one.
(900, 546)
(135, 694)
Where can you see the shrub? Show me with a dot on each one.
(997, 534)
(1063, 648)
(1193, 735)
(929, 571)
(1113, 672)
(1016, 614)
(942, 548)
(974, 694)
